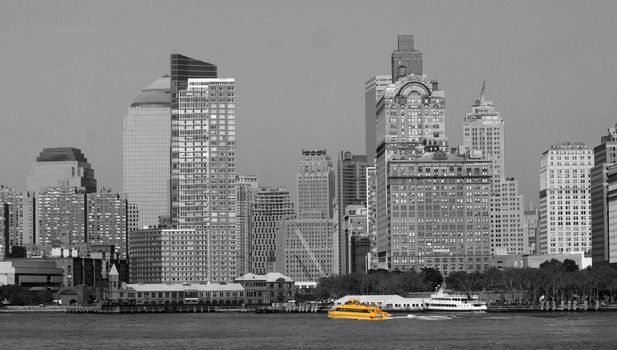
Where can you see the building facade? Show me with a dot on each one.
(605, 155)
(306, 249)
(61, 166)
(270, 207)
(146, 152)
(373, 91)
(107, 220)
(351, 190)
(564, 211)
(11, 219)
(316, 185)
(246, 186)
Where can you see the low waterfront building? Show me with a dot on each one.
(230, 294)
(386, 302)
(31, 273)
(267, 289)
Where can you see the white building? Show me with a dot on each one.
(564, 212)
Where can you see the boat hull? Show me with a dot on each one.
(357, 317)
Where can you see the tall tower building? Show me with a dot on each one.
(371, 215)
(564, 212)
(246, 187)
(65, 165)
(13, 220)
(107, 220)
(373, 91)
(351, 190)
(203, 170)
(60, 216)
(483, 131)
(145, 152)
(183, 68)
(269, 209)
(315, 185)
(605, 155)
(405, 59)
(484, 135)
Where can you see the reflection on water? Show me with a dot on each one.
(307, 331)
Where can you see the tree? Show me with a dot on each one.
(432, 277)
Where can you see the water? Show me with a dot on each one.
(308, 331)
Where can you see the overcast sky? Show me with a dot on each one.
(71, 69)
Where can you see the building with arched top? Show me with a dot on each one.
(145, 152)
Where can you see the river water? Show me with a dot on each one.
(558, 330)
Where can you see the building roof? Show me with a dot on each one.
(61, 154)
(113, 271)
(269, 277)
(180, 287)
(155, 95)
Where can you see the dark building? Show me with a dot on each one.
(360, 249)
(406, 60)
(351, 190)
(605, 155)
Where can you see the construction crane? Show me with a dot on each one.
(306, 271)
(310, 252)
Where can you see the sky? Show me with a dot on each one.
(70, 70)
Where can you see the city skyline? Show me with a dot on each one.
(538, 69)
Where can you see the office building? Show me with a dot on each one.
(531, 229)
(605, 155)
(351, 190)
(66, 166)
(146, 152)
(371, 215)
(316, 183)
(246, 186)
(356, 239)
(373, 91)
(270, 207)
(609, 244)
(60, 216)
(564, 211)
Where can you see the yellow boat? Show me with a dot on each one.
(354, 310)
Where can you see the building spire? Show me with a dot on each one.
(482, 97)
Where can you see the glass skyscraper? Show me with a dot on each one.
(145, 153)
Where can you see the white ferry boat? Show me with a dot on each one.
(443, 301)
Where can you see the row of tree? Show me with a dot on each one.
(17, 295)
(553, 281)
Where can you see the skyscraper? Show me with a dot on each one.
(183, 68)
(315, 185)
(351, 190)
(484, 134)
(270, 208)
(246, 186)
(13, 221)
(605, 155)
(145, 152)
(60, 216)
(373, 91)
(405, 59)
(106, 222)
(64, 166)
(564, 212)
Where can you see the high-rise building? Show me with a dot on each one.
(164, 255)
(605, 155)
(405, 59)
(106, 222)
(356, 239)
(270, 207)
(483, 131)
(146, 152)
(484, 135)
(13, 220)
(373, 91)
(315, 185)
(183, 68)
(564, 211)
(203, 167)
(351, 190)
(371, 215)
(60, 216)
(246, 186)
(61, 166)
(609, 244)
